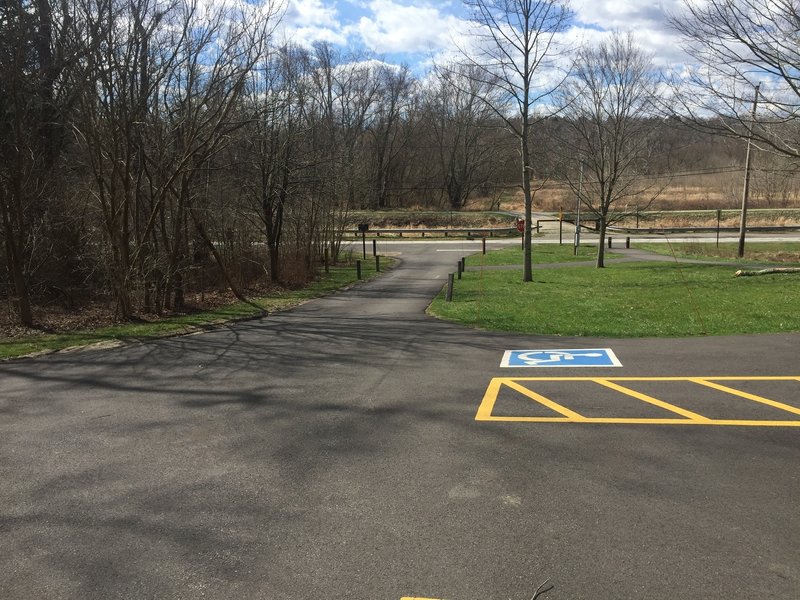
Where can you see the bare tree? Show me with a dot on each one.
(344, 92)
(35, 54)
(515, 44)
(205, 92)
(159, 92)
(278, 97)
(462, 126)
(735, 45)
(607, 103)
(394, 92)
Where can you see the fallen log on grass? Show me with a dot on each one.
(743, 273)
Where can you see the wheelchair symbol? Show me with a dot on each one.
(540, 358)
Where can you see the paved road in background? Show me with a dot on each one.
(333, 451)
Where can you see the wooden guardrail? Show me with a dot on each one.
(589, 224)
(662, 230)
(445, 232)
(584, 222)
(689, 229)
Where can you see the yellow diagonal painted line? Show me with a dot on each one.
(654, 401)
(741, 394)
(563, 410)
(489, 398)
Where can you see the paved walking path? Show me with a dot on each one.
(628, 255)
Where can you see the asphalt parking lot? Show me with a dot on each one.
(356, 448)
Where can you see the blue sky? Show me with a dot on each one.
(415, 31)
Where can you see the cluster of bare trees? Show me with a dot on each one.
(110, 112)
(612, 91)
(736, 46)
(614, 103)
(151, 147)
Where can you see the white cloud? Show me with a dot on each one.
(395, 27)
(312, 13)
(648, 20)
(309, 21)
(626, 14)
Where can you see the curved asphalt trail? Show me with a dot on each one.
(332, 452)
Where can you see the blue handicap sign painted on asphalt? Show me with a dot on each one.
(585, 357)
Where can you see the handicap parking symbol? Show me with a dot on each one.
(586, 357)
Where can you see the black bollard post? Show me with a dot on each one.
(358, 269)
(449, 294)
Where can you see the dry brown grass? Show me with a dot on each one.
(730, 218)
(700, 192)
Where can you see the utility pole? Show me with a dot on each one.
(747, 163)
(578, 214)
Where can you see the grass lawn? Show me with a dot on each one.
(764, 252)
(542, 254)
(626, 300)
(339, 277)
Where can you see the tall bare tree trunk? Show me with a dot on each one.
(601, 244)
(14, 261)
(527, 267)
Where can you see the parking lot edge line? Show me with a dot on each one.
(668, 379)
(533, 420)
(709, 422)
(745, 395)
(654, 401)
(589, 378)
(749, 378)
(563, 410)
(644, 421)
(748, 423)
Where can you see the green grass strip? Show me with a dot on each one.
(755, 252)
(338, 278)
(625, 300)
(542, 254)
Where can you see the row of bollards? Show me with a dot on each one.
(358, 262)
(627, 242)
(377, 266)
(460, 268)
